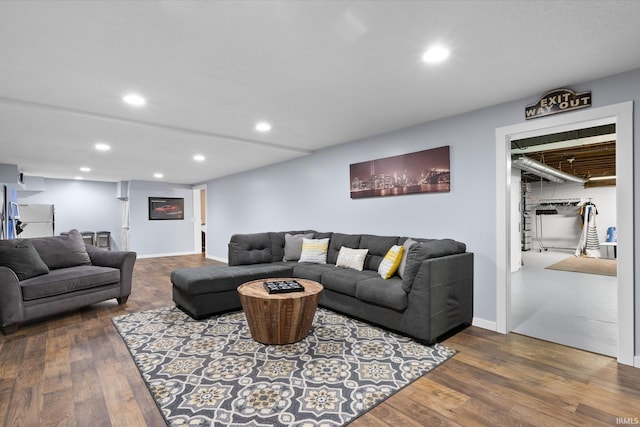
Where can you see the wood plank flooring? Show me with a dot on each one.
(74, 370)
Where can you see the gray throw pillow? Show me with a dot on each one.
(62, 251)
(406, 245)
(21, 257)
(293, 246)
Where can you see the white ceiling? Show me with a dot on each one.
(322, 72)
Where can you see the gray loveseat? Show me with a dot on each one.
(49, 275)
(430, 296)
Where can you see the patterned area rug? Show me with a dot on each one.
(211, 372)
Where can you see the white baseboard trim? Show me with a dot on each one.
(484, 324)
(216, 258)
(168, 254)
(636, 361)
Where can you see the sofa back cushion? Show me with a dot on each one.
(250, 249)
(426, 250)
(63, 251)
(21, 257)
(378, 247)
(339, 240)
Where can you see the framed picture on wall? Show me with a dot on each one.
(166, 208)
(426, 171)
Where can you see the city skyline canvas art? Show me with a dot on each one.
(426, 171)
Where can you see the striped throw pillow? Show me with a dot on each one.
(314, 250)
(391, 261)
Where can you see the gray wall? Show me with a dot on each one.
(164, 237)
(563, 231)
(83, 205)
(94, 206)
(313, 191)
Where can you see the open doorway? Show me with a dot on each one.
(564, 287)
(622, 115)
(200, 219)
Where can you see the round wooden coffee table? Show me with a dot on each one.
(279, 318)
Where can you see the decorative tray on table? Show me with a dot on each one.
(283, 286)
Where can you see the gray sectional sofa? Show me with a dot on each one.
(430, 296)
(50, 275)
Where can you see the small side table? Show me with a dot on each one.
(279, 318)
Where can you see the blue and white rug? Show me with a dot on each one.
(212, 373)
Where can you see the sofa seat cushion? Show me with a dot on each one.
(221, 278)
(312, 271)
(344, 280)
(65, 280)
(386, 293)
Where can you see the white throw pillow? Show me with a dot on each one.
(314, 250)
(351, 258)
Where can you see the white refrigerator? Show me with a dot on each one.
(37, 220)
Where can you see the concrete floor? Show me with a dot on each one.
(574, 309)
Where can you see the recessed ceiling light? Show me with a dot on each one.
(435, 54)
(85, 169)
(79, 178)
(102, 146)
(263, 127)
(199, 157)
(157, 175)
(134, 99)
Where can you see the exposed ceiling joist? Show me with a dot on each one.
(584, 154)
(565, 144)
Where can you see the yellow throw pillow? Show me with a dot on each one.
(391, 262)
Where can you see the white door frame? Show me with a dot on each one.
(197, 220)
(622, 115)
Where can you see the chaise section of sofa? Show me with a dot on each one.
(50, 275)
(428, 298)
(204, 291)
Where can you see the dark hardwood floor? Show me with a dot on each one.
(74, 370)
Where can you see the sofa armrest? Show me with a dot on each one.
(122, 260)
(11, 310)
(431, 249)
(443, 291)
